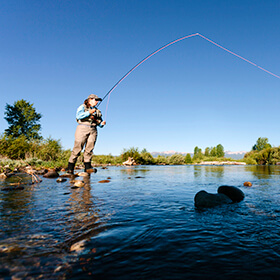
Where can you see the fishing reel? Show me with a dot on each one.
(97, 116)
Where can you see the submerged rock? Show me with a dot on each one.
(12, 188)
(78, 246)
(51, 174)
(83, 174)
(247, 184)
(42, 171)
(91, 170)
(68, 175)
(205, 199)
(104, 181)
(61, 180)
(3, 176)
(234, 193)
(78, 183)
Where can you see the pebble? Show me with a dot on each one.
(247, 184)
(83, 174)
(61, 180)
(3, 176)
(79, 183)
(77, 247)
(104, 181)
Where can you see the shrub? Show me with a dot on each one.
(14, 148)
(161, 160)
(176, 159)
(50, 149)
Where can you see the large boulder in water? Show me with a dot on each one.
(234, 193)
(205, 199)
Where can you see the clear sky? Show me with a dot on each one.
(55, 53)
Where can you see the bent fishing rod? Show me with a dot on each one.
(169, 44)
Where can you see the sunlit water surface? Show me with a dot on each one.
(143, 225)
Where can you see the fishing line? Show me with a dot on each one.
(169, 44)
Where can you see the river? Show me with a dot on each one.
(142, 224)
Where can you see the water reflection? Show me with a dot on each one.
(261, 171)
(83, 214)
(131, 170)
(15, 207)
(197, 171)
(209, 171)
(214, 171)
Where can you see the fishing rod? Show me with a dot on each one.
(169, 44)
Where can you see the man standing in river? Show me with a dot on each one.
(88, 118)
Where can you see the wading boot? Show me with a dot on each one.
(70, 168)
(89, 168)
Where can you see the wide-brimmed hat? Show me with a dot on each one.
(94, 96)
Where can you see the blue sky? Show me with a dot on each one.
(55, 53)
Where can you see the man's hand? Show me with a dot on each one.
(103, 123)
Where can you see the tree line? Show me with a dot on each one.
(263, 153)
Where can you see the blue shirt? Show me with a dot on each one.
(81, 113)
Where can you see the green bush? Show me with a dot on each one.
(267, 156)
(144, 158)
(34, 161)
(161, 160)
(106, 159)
(14, 148)
(50, 149)
(176, 159)
(131, 152)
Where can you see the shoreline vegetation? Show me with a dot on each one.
(48, 153)
(22, 145)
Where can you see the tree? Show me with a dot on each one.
(23, 120)
(213, 152)
(197, 153)
(261, 144)
(220, 150)
(188, 158)
(207, 152)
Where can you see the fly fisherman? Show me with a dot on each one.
(88, 118)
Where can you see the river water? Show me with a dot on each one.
(142, 224)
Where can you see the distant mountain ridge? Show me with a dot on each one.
(228, 154)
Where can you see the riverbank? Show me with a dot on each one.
(221, 163)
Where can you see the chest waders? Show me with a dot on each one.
(85, 136)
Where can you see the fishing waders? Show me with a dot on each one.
(89, 168)
(70, 168)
